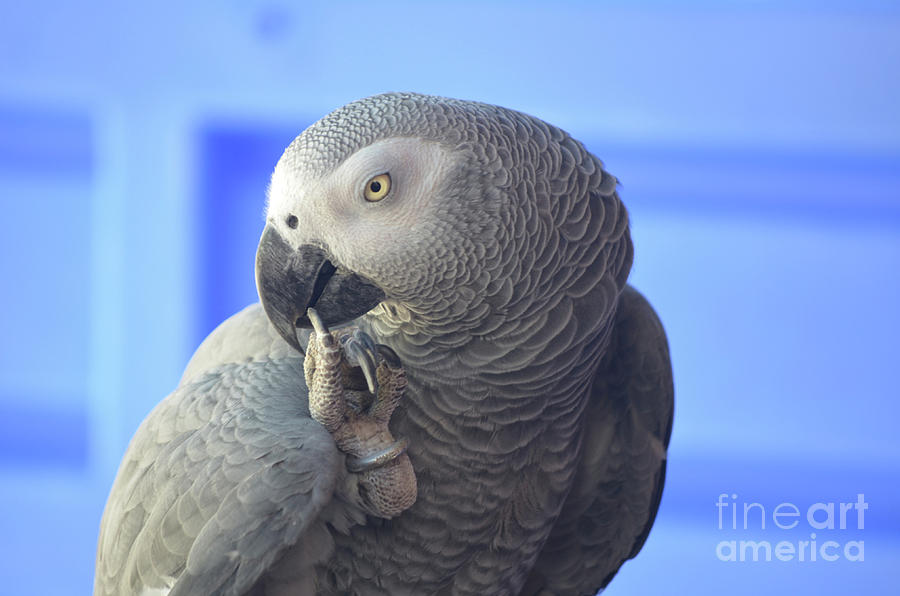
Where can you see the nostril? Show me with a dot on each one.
(292, 221)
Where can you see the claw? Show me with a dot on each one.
(322, 332)
(389, 355)
(365, 358)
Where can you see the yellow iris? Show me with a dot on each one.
(378, 187)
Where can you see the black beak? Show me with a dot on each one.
(290, 281)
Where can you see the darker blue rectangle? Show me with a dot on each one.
(42, 436)
(809, 184)
(237, 160)
(46, 142)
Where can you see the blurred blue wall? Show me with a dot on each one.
(758, 146)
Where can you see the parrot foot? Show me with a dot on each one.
(354, 386)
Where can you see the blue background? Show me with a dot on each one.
(758, 146)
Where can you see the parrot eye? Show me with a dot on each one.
(378, 187)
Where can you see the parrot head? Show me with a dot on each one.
(451, 215)
(361, 212)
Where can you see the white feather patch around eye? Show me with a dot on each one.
(332, 205)
(416, 168)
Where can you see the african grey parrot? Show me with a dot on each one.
(481, 256)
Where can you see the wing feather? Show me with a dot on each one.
(224, 476)
(612, 506)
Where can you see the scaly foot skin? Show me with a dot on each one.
(354, 387)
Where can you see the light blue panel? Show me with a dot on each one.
(781, 332)
(781, 73)
(151, 194)
(689, 72)
(45, 243)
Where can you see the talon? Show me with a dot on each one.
(365, 358)
(322, 332)
(389, 356)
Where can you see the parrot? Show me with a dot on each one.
(448, 385)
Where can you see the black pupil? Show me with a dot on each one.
(375, 186)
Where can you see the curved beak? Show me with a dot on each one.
(291, 281)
